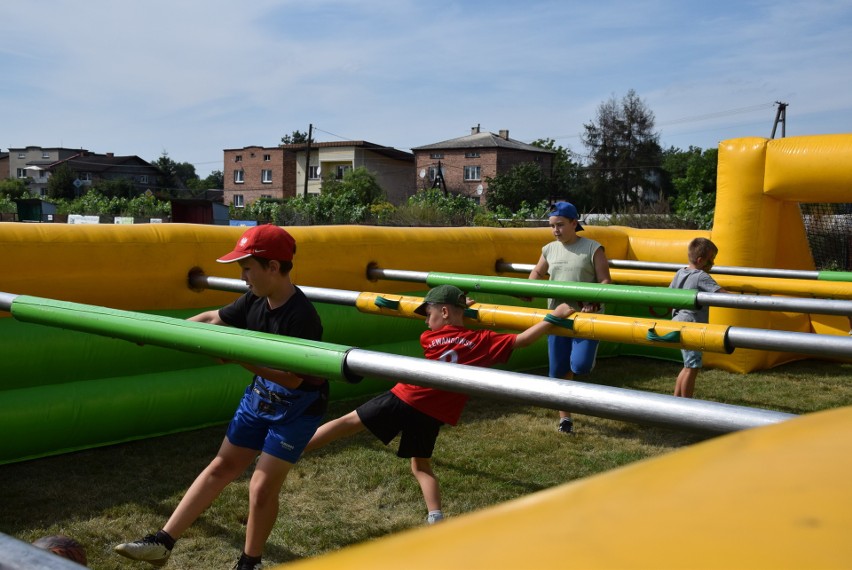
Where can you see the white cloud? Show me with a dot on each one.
(194, 77)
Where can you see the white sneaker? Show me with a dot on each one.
(434, 518)
(148, 549)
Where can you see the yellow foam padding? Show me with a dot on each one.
(771, 497)
(633, 330)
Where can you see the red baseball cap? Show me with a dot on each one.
(266, 241)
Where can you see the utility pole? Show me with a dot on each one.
(308, 158)
(780, 117)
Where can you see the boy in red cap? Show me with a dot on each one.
(278, 413)
(418, 412)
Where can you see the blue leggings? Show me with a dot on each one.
(566, 354)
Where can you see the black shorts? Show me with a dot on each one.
(386, 416)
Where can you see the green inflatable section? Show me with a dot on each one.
(71, 390)
(68, 390)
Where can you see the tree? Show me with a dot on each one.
(14, 188)
(118, 188)
(690, 178)
(566, 179)
(624, 152)
(61, 183)
(168, 171)
(359, 181)
(174, 174)
(523, 182)
(215, 181)
(296, 138)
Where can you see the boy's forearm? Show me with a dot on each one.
(282, 377)
(542, 328)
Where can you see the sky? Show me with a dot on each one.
(194, 77)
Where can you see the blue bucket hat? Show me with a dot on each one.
(567, 210)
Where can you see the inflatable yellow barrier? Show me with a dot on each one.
(770, 497)
(146, 267)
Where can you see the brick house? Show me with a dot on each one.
(467, 162)
(254, 172)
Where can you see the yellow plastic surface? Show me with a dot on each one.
(695, 336)
(773, 497)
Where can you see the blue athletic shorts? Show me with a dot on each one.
(278, 421)
(566, 354)
(386, 416)
(692, 358)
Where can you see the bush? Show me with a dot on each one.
(433, 208)
(93, 203)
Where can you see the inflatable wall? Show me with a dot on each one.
(63, 390)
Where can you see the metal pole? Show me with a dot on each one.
(785, 341)
(331, 296)
(640, 295)
(350, 364)
(594, 400)
(6, 300)
(504, 267)
(630, 294)
(780, 304)
(718, 269)
(238, 345)
(736, 337)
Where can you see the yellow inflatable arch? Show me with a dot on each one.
(757, 223)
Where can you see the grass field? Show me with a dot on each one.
(357, 489)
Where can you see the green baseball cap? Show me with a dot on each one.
(443, 295)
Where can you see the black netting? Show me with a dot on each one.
(829, 230)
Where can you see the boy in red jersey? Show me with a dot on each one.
(419, 412)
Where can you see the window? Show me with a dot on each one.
(85, 176)
(267, 157)
(267, 196)
(433, 172)
(313, 172)
(143, 179)
(436, 155)
(471, 172)
(238, 158)
(22, 173)
(45, 154)
(471, 155)
(22, 155)
(266, 176)
(239, 176)
(342, 169)
(238, 201)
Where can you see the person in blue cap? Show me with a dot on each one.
(570, 258)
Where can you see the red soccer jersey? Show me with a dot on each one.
(462, 346)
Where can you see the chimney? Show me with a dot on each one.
(475, 130)
(110, 154)
(504, 134)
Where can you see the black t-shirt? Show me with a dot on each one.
(297, 318)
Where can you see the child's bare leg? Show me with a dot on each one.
(422, 470)
(344, 426)
(685, 385)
